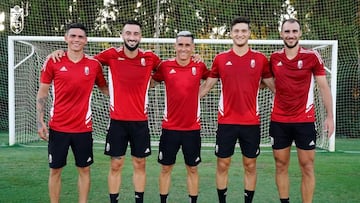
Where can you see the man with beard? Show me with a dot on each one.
(293, 114)
(240, 70)
(130, 76)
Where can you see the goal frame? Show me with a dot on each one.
(12, 66)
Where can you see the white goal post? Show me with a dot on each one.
(26, 55)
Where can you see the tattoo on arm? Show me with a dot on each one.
(40, 109)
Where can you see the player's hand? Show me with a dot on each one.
(42, 130)
(329, 126)
(56, 55)
(197, 58)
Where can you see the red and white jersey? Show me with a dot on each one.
(294, 83)
(182, 101)
(129, 80)
(240, 77)
(72, 85)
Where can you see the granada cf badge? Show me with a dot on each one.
(252, 63)
(193, 70)
(17, 15)
(86, 70)
(142, 61)
(300, 64)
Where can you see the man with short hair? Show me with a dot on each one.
(292, 119)
(181, 122)
(72, 80)
(130, 76)
(240, 70)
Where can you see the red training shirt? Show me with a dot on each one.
(240, 77)
(182, 102)
(129, 80)
(294, 83)
(72, 89)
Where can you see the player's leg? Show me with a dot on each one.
(191, 147)
(249, 139)
(250, 178)
(282, 160)
(282, 139)
(192, 182)
(114, 177)
(226, 138)
(306, 161)
(305, 141)
(55, 184)
(82, 147)
(222, 172)
(168, 148)
(84, 183)
(140, 149)
(115, 147)
(165, 180)
(58, 147)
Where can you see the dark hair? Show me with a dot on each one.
(76, 25)
(240, 19)
(185, 34)
(290, 20)
(132, 22)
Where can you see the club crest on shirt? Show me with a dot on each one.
(193, 70)
(252, 63)
(86, 70)
(142, 61)
(300, 64)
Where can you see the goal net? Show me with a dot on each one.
(27, 54)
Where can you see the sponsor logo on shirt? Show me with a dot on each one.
(252, 63)
(63, 69)
(172, 71)
(86, 70)
(193, 70)
(121, 59)
(228, 63)
(279, 64)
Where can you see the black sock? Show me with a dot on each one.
(139, 197)
(222, 195)
(163, 198)
(285, 200)
(248, 196)
(193, 199)
(114, 198)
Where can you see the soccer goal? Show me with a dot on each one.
(27, 54)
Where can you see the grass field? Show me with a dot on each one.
(24, 174)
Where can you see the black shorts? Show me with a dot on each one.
(283, 135)
(81, 145)
(120, 133)
(228, 134)
(170, 142)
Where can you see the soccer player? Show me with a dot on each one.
(130, 76)
(240, 70)
(295, 69)
(181, 122)
(72, 80)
